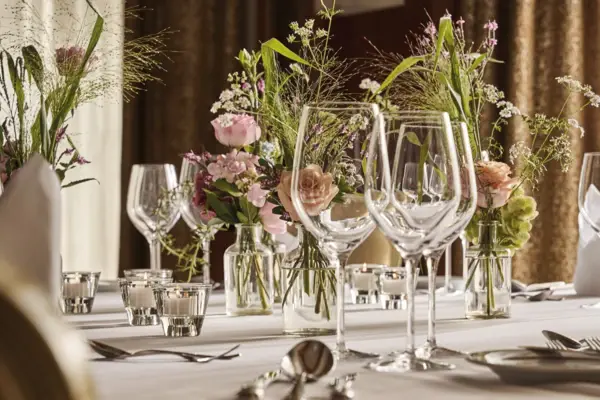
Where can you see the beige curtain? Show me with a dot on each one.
(540, 40)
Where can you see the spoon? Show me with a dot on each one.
(307, 361)
(341, 388)
(569, 343)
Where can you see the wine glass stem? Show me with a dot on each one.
(448, 268)
(432, 266)
(340, 269)
(410, 264)
(154, 254)
(206, 258)
(464, 244)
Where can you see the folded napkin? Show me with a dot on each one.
(587, 270)
(30, 220)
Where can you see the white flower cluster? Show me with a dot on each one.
(297, 69)
(491, 94)
(370, 85)
(518, 150)
(575, 124)
(358, 122)
(507, 109)
(304, 32)
(236, 97)
(577, 87)
(348, 172)
(562, 151)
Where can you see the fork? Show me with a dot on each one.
(593, 343)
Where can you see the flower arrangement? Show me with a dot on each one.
(41, 87)
(445, 73)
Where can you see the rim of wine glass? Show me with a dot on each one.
(153, 165)
(345, 105)
(382, 151)
(304, 217)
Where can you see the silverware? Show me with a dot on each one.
(341, 388)
(256, 389)
(557, 350)
(114, 353)
(593, 343)
(567, 342)
(544, 295)
(307, 361)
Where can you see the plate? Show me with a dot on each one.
(528, 367)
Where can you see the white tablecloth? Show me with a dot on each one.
(368, 329)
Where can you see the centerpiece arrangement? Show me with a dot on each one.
(446, 73)
(42, 87)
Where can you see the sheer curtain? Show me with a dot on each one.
(90, 211)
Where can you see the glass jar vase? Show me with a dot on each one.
(488, 285)
(278, 250)
(248, 267)
(309, 287)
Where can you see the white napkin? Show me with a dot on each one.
(30, 225)
(587, 271)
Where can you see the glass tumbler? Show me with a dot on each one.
(78, 290)
(138, 298)
(181, 307)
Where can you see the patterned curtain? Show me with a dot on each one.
(540, 40)
(171, 118)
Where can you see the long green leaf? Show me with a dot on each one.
(462, 90)
(455, 96)
(67, 103)
(17, 85)
(249, 210)
(34, 65)
(444, 34)
(412, 138)
(400, 68)
(280, 48)
(477, 62)
(227, 187)
(223, 210)
(77, 182)
(44, 130)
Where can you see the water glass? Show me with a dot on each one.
(138, 299)
(181, 307)
(78, 291)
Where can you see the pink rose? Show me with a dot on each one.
(272, 223)
(494, 184)
(316, 191)
(236, 130)
(229, 166)
(257, 196)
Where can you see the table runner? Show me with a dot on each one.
(368, 329)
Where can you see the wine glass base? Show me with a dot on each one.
(436, 352)
(593, 306)
(352, 355)
(408, 362)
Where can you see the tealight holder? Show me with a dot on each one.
(363, 280)
(182, 307)
(143, 274)
(392, 288)
(78, 290)
(138, 298)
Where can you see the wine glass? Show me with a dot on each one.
(589, 201)
(152, 204)
(328, 187)
(194, 216)
(412, 226)
(456, 224)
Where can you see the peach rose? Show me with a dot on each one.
(494, 184)
(316, 191)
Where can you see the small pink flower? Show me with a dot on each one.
(492, 26)
(494, 184)
(246, 86)
(430, 29)
(236, 130)
(207, 215)
(229, 166)
(69, 60)
(260, 85)
(272, 223)
(257, 196)
(460, 22)
(492, 42)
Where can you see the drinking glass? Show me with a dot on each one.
(78, 290)
(138, 298)
(328, 187)
(181, 307)
(589, 200)
(412, 223)
(193, 215)
(152, 204)
(455, 226)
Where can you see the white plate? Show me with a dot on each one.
(522, 366)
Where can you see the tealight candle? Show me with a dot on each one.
(76, 290)
(181, 306)
(141, 297)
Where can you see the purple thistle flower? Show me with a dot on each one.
(492, 42)
(261, 85)
(245, 86)
(430, 29)
(492, 26)
(193, 157)
(61, 133)
(81, 161)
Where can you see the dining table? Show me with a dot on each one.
(368, 328)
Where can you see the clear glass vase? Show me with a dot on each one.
(488, 285)
(309, 284)
(279, 251)
(248, 267)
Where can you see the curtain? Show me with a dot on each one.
(540, 40)
(174, 117)
(90, 211)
